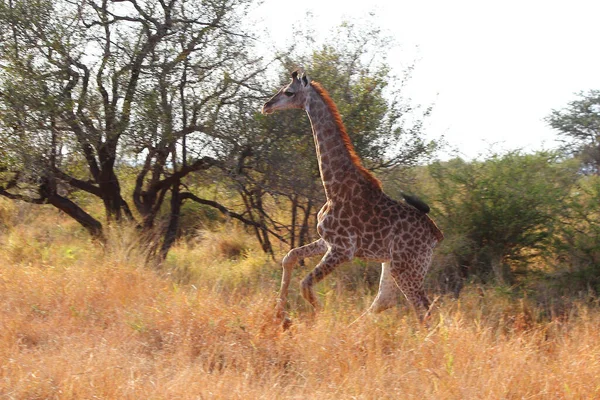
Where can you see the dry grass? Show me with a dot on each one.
(78, 321)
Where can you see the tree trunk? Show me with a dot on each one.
(260, 230)
(171, 232)
(111, 195)
(304, 229)
(293, 222)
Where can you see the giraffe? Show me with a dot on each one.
(358, 218)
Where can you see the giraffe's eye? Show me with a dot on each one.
(288, 93)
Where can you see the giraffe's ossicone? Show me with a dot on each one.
(358, 218)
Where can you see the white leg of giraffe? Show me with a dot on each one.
(316, 248)
(387, 294)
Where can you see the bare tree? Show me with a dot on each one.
(89, 86)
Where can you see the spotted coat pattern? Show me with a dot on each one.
(358, 218)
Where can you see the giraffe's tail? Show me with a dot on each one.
(437, 232)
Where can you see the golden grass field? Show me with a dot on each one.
(82, 321)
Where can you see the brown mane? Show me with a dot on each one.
(345, 138)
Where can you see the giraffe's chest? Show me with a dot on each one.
(325, 220)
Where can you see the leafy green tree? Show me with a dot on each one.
(499, 213)
(579, 125)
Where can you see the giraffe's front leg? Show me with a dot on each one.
(333, 258)
(316, 248)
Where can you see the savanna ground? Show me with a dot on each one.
(79, 321)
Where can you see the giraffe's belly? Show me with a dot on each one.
(369, 245)
(369, 256)
(376, 247)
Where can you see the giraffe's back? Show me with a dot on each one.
(414, 226)
(375, 226)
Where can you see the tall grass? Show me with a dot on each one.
(78, 320)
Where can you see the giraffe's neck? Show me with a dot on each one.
(339, 172)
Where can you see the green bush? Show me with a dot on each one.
(499, 213)
(578, 240)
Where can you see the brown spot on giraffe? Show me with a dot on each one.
(358, 218)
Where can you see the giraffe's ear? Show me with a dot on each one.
(305, 80)
(295, 75)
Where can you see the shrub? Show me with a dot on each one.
(499, 213)
(578, 239)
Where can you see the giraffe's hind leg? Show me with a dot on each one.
(410, 276)
(316, 248)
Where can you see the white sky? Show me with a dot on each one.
(493, 70)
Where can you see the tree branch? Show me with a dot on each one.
(229, 213)
(86, 186)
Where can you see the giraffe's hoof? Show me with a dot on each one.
(287, 323)
(426, 321)
(280, 312)
(281, 316)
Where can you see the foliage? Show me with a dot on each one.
(577, 242)
(500, 212)
(579, 125)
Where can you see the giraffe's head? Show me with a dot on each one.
(292, 95)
